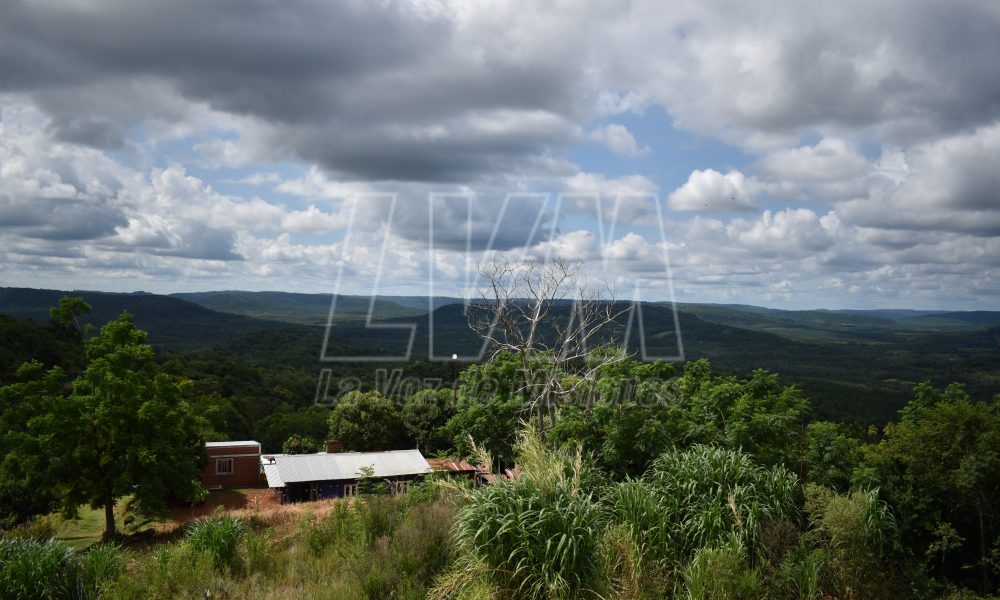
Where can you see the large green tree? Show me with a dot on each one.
(425, 414)
(939, 468)
(367, 421)
(25, 488)
(125, 430)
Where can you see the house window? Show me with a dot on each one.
(223, 466)
(350, 489)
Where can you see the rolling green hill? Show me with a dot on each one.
(172, 323)
(305, 309)
(855, 365)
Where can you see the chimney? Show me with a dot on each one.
(334, 446)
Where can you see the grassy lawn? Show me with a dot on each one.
(84, 530)
(88, 528)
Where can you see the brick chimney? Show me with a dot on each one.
(334, 446)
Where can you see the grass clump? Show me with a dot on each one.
(220, 538)
(32, 569)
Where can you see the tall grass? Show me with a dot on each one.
(98, 569)
(220, 538)
(32, 569)
(700, 498)
(536, 537)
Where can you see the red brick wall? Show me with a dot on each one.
(246, 467)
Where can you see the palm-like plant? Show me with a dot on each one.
(701, 497)
(535, 537)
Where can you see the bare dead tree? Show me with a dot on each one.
(553, 319)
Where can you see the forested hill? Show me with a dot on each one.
(306, 309)
(854, 365)
(172, 323)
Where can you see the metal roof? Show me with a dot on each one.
(292, 468)
(228, 444)
(273, 477)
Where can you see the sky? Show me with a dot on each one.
(793, 154)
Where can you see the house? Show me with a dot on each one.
(231, 464)
(299, 477)
(458, 468)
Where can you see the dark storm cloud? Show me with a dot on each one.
(368, 90)
(58, 218)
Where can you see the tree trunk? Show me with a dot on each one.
(109, 520)
(984, 569)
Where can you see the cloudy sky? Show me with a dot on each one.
(788, 154)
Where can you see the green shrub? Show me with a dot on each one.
(802, 572)
(536, 545)
(32, 569)
(380, 516)
(39, 528)
(219, 538)
(342, 524)
(699, 498)
(859, 532)
(259, 546)
(99, 569)
(722, 574)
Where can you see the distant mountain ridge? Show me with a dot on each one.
(854, 364)
(172, 323)
(305, 309)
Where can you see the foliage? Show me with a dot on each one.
(219, 538)
(367, 421)
(858, 532)
(492, 422)
(124, 430)
(25, 462)
(939, 468)
(537, 536)
(31, 569)
(425, 414)
(703, 497)
(299, 444)
(831, 454)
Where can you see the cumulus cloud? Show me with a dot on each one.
(711, 190)
(619, 140)
(948, 185)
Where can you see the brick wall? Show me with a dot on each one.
(245, 467)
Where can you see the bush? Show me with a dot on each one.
(859, 532)
(220, 538)
(699, 498)
(380, 516)
(536, 545)
(39, 528)
(99, 569)
(32, 569)
(722, 574)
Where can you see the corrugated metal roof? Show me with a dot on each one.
(294, 468)
(227, 444)
(273, 477)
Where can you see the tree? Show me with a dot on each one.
(830, 455)
(939, 468)
(552, 319)
(25, 489)
(366, 421)
(299, 444)
(124, 430)
(425, 413)
(66, 316)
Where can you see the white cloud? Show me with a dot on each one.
(710, 190)
(619, 140)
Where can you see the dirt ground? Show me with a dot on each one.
(260, 503)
